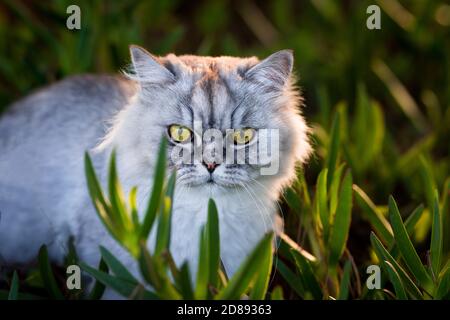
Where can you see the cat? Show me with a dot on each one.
(43, 137)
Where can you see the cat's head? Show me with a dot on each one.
(218, 114)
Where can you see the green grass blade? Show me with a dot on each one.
(309, 280)
(133, 207)
(99, 288)
(322, 206)
(429, 184)
(333, 148)
(259, 289)
(149, 269)
(213, 240)
(406, 247)
(410, 223)
(170, 263)
(14, 290)
(116, 266)
(94, 187)
(285, 244)
(339, 230)
(155, 198)
(373, 215)
(345, 281)
(302, 190)
(436, 239)
(293, 280)
(384, 255)
(277, 293)
(164, 220)
(155, 272)
(98, 198)
(246, 273)
(121, 286)
(47, 274)
(293, 200)
(443, 288)
(116, 196)
(396, 281)
(445, 212)
(334, 191)
(201, 288)
(413, 218)
(184, 282)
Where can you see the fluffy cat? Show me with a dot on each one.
(43, 193)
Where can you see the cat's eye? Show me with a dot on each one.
(243, 136)
(180, 134)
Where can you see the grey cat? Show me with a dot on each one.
(43, 193)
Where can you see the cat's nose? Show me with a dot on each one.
(210, 166)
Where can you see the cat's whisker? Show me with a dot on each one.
(276, 247)
(276, 201)
(266, 209)
(256, 203)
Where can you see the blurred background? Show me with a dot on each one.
(390, 86)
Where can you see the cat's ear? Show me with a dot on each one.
(274, 71)
(147, 68)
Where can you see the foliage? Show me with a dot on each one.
(163, 278)
(331, 273)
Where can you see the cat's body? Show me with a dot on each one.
(43, 194)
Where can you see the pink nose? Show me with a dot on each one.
(210, 166)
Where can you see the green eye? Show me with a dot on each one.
(243, 136)
(179, 133)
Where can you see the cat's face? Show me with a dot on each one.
(229, 121)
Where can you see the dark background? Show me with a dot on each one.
(404, 66)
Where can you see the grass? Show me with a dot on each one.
(329, 273)
(376, 191)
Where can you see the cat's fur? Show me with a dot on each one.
(43, 193)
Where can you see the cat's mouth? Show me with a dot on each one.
(230, 178)
(212, 181)
(223, 182)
